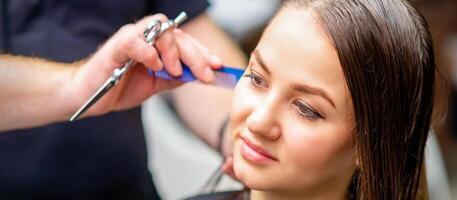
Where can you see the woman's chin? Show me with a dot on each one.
(251, 177)
(253, 183)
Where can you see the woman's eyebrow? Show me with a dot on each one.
(302, 88)
(313, 91)
(259, 58)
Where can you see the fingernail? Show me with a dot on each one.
(159, 65)
(216, 60)
(209, 74)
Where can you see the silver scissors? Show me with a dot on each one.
(153, 30)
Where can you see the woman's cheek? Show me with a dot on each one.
(305, 145)
(243, 103)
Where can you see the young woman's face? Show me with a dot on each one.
(292, 117)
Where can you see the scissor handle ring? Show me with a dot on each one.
(152, 30)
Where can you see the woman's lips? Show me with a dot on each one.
(255, 153)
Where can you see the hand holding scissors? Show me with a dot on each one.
(172, 46)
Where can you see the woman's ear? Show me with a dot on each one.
(356, 161)
(356, 158)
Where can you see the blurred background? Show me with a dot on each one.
(442, 18)
(182, 163)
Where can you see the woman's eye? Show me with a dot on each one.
(256, 80)
(306, 111)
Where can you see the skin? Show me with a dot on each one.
(207, 100)
(31, 86)
(314, 156)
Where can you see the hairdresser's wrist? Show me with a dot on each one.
(86, 77)
(72, 93)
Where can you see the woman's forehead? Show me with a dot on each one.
(296, 48)
(295, 39)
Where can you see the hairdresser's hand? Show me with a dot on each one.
(136, 86)
(227, 167)
(227, 152)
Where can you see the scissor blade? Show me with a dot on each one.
(94, 98)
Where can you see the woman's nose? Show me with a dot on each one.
(263, 121)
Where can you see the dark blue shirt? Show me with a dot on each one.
(95, 158)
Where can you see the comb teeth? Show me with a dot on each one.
(225, 77)
(224, 80)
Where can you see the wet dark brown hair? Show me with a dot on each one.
(385, 50)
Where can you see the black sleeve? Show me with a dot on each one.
(172, 8)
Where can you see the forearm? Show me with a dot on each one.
(204, 108)
(33, 92)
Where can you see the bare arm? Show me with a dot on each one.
(35, 92)
(204, 108)
(29, 90)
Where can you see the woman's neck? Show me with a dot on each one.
(269, 195)
(337, 189)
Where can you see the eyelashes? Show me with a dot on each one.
(256, 80)
(306, 111)
(302, 108)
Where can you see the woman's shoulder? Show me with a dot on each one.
(227, 195)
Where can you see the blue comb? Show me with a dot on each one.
(224, 77)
